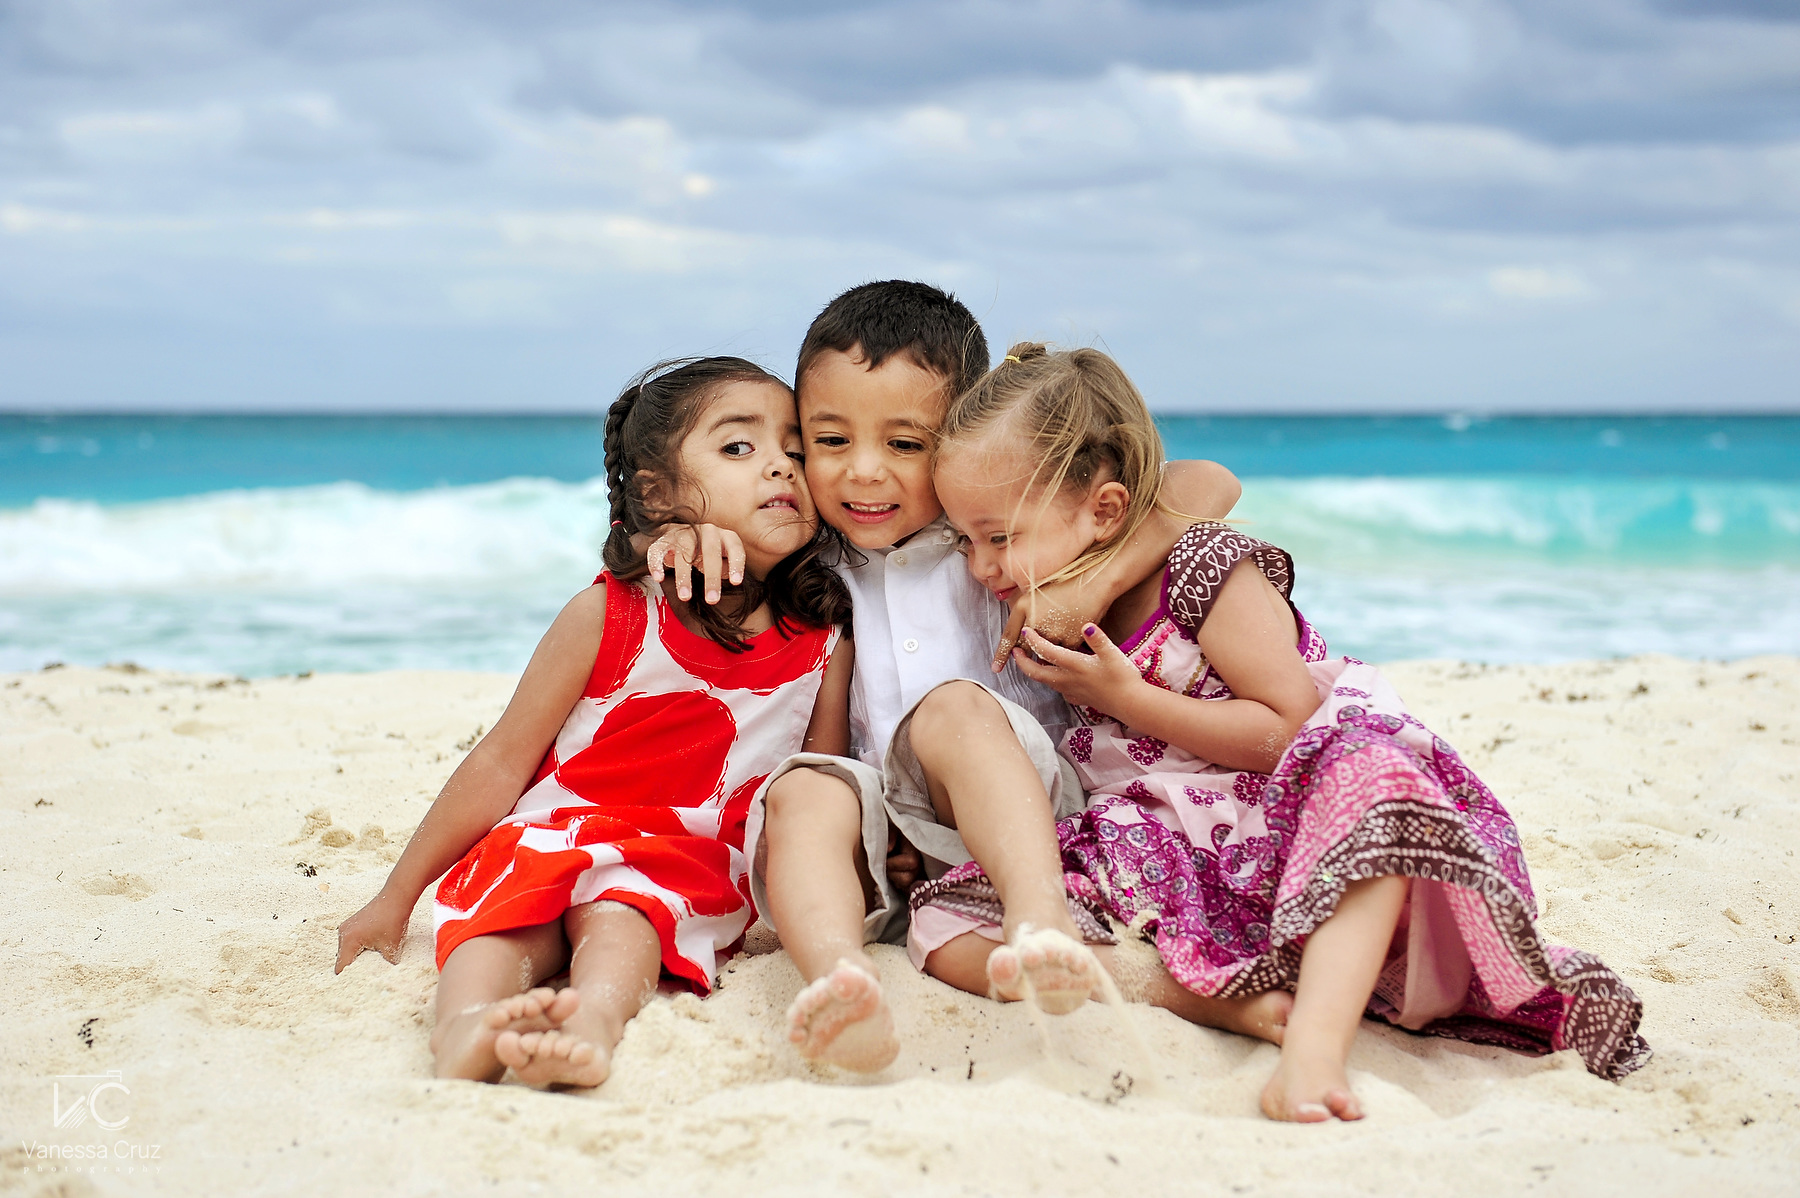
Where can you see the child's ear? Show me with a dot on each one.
(654, 491)
(1109, 502)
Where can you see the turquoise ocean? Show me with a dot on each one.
(279, 544)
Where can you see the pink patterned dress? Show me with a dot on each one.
(1229, 871)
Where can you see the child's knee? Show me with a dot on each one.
(609, 918)
(801, 795)
(949, 709)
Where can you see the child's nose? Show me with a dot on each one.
(865, 467)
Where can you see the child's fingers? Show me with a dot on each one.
(1015, 620)
(684, 571)
(711, 559)
(1051, 652)
(1051, 674)
(1032, 669)
(349, 949)
(734, 556)
(1099, 642)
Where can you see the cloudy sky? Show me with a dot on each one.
(1291, 204)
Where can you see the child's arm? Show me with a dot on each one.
(489, 781)
(1197, 490)
(1249, 639)
(829, 730)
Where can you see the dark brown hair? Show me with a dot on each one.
(644, 430)
(930, 326)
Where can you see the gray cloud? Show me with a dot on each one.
(1381, 203)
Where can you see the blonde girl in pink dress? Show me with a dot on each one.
(1269, 816)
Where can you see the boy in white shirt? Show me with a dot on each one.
(957, 759)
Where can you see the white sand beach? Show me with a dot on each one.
(179, 849)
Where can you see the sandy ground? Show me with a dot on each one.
(178, 852)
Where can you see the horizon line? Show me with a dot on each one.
(1448, 413)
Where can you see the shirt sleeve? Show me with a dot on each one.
(1204, 558)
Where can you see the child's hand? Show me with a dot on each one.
(381, 926)
(904, 869)
(1057, 612)
(1096, 679)
(683, 547)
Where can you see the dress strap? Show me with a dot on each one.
(627, 623)
(1204, 558)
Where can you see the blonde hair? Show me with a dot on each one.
(1082, 421)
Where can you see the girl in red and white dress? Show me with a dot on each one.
(599, 828)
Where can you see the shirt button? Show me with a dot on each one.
(899, 559)
(910, 645)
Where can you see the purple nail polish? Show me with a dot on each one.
(1090, 630)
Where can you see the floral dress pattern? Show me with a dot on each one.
(1228, 871)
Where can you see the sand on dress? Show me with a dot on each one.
(180, 850)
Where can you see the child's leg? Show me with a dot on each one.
(485, 989)
(962, 963)
(983, 784)
(1338, 968)
(818, 881)
(613, 968)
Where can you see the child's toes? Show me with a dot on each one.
(509, 1050)
(1004, 970)
(562, 1005)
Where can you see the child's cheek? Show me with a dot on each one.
(825, 502)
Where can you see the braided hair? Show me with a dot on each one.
(644, 429)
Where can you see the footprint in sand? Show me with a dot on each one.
(318, 821)
(129, 886)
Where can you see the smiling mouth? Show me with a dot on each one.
(870, 513)
(782, 501)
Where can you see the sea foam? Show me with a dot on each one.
(347, 577)
(341, 534)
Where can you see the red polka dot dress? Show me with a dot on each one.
(643, 795)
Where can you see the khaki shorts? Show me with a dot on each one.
(896, 797)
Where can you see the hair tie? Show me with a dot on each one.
(618, 524)
(1014, 358)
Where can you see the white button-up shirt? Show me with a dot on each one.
(920, 620)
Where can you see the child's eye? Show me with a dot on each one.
(997, 539)
(737, 449)
(831, 440)
(903, 446)
(797, 456)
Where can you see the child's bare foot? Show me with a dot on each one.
(842, 1019)
(464, 1045)
(1059, 972)
(1309, 1087)
(554, 1058)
